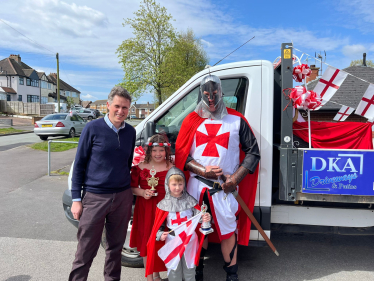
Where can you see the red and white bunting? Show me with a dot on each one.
(329, 83)
(173, 250)
(343, 113)
(366, 106)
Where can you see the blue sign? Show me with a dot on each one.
(338, 172)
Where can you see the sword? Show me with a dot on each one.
(217, 187)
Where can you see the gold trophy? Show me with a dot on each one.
(153, 181)
(206, 227)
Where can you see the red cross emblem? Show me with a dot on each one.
(329, 83)
(370, 102)
(181, 248)
(343, 114)
(212, 139)
(179, 220)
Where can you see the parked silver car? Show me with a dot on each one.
(86, 113)
(60, 124)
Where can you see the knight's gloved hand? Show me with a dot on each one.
(208, 172)
(232, 181)
(229, 185)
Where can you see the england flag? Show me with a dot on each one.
(366, 106)
(185, 242)
(329, 83)
(343, 113)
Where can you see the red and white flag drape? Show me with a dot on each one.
(366, 106)
(343, 113)
(173, 250)
(329, 83)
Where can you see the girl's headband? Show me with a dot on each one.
(165, 144)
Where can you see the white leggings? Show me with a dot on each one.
(182, 270)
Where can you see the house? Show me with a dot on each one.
(141, 110)
(100, 105)
(349, 94)
(65, 90)
(20, 82)
(86, 104)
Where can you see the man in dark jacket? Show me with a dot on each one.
(102, 171)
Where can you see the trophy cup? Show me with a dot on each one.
(153, 181)
(206, 228)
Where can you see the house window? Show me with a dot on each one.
(74, 94)
(44, 85)
(19, 98)
(28, 82)
(21, 81)
(133, 110)
(8, 98)
(32, 98)
(67, 93)
(44, 100)
(49, 86)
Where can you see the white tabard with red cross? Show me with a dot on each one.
(216, 143)
(175, 219)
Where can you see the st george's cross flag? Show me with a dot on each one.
(366, 106)
(184, 242)
(343, 113)
(329, 83)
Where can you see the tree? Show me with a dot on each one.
(142, 56)
(158, 58)
(369, 63)
(186, 58)
(69, 102)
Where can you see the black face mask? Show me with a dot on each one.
(210, 87)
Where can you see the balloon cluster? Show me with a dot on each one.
(300, 72)
(139, 155)
(304, 99)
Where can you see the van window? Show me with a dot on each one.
(234, 93)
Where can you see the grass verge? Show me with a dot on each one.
(9, 130)
(55, 147)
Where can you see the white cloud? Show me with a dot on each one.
(88, 97)
(354, 51)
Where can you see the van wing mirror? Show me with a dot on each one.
(149, 131)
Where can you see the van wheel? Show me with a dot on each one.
(43, 138)
(89, 118)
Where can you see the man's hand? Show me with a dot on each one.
(163, 236)
(208, 172)
(76, 209)
(232, 181)
(229, 185)
(213, 172)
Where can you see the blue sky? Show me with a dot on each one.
(86, 33)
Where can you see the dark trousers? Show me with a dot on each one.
(113, 210)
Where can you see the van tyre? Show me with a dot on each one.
(89, 118)
(129, 257)
(43, 138)
(72, 133)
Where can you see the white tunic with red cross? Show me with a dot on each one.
(217, 143)
(175, 219)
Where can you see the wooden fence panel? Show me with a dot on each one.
(46, 109)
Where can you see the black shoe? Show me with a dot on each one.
(199, 275)
(233, 277)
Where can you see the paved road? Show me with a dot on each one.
(38, 243)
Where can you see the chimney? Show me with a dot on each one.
(134, 102)
(147, 103)
(314, 74)
(17, 58)
(364, 60)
